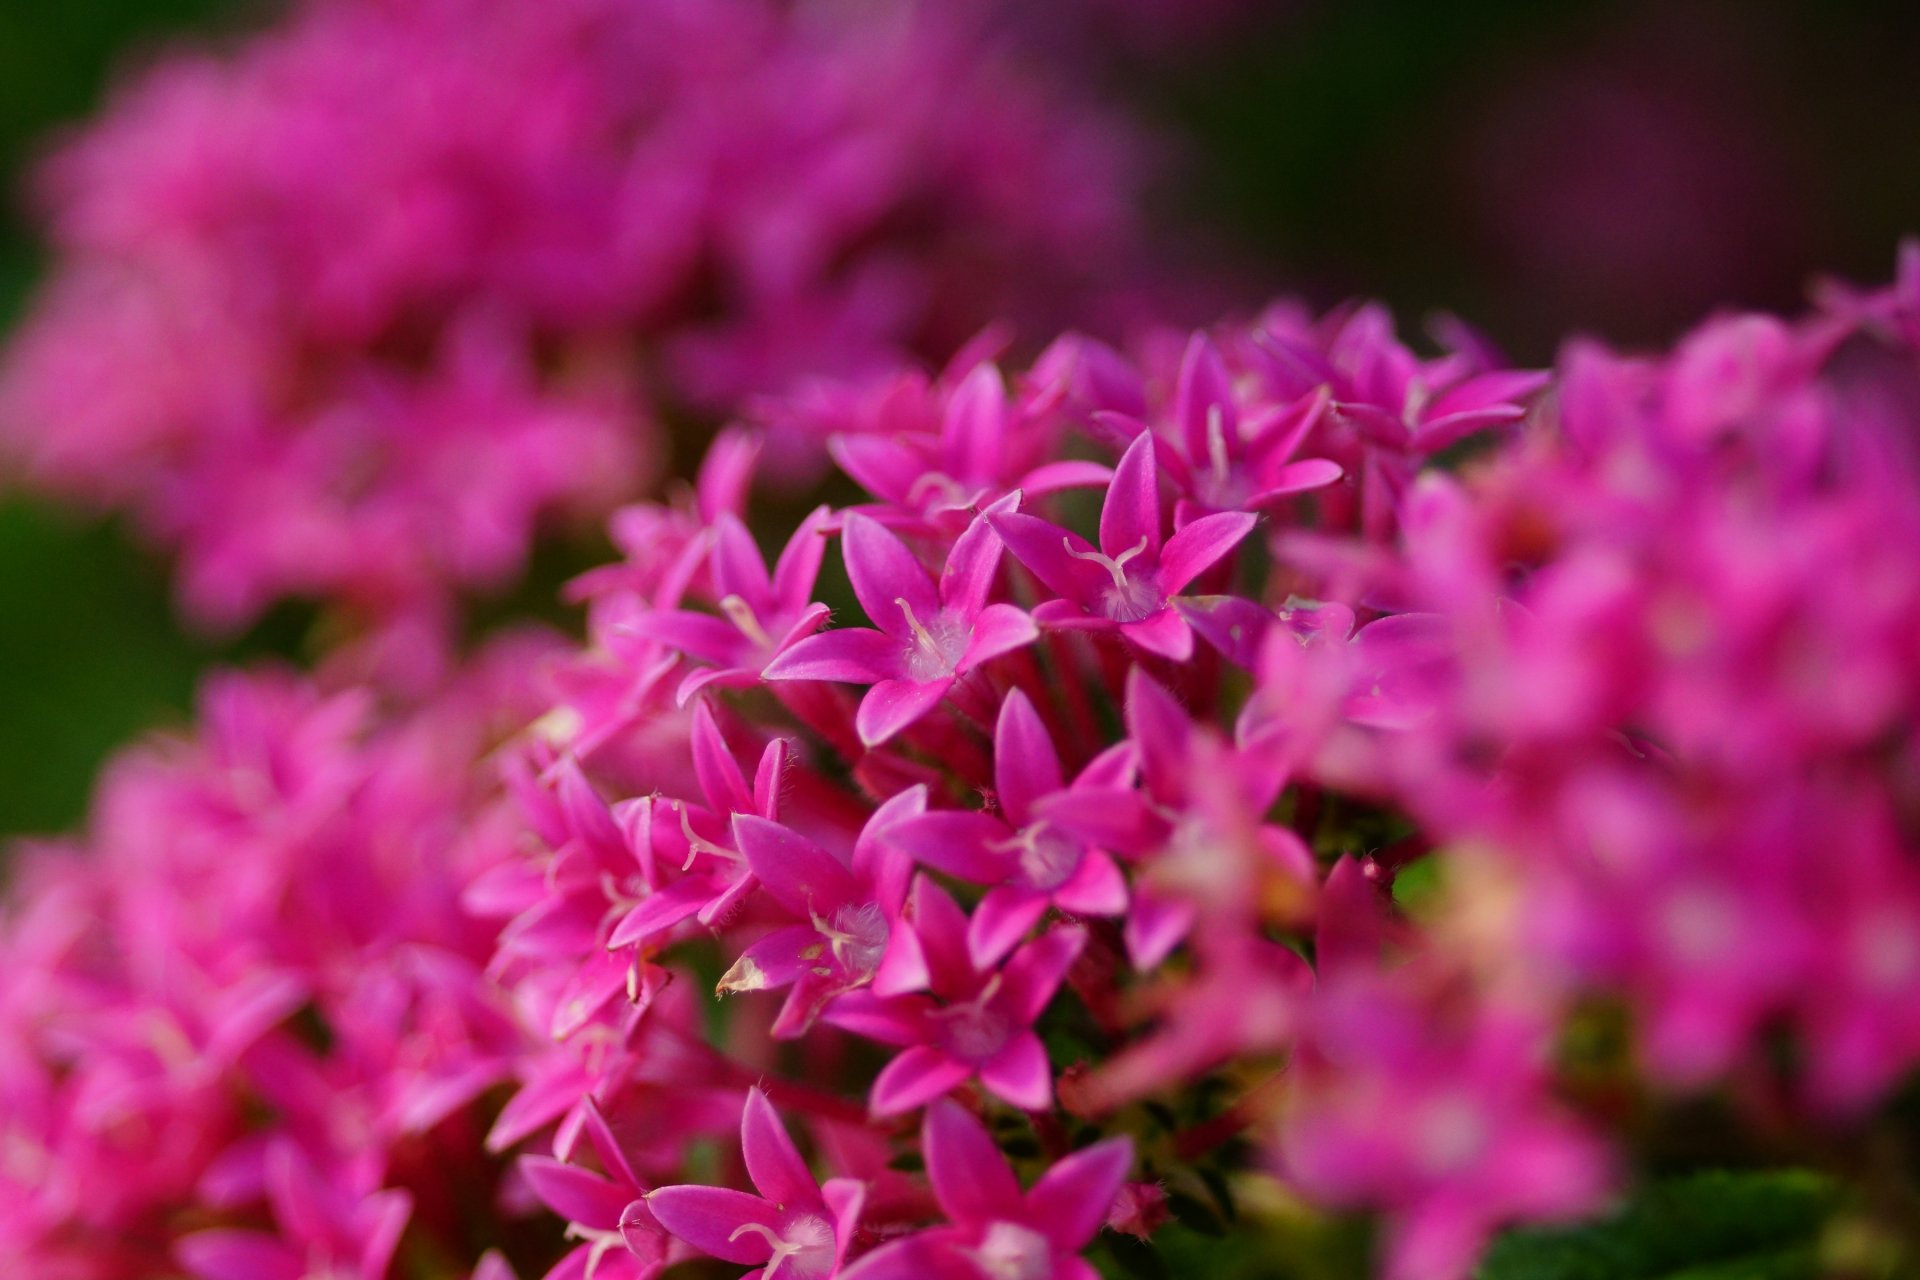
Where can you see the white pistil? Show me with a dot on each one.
(1217, 443)
(1116, 566)
(741, 615)
(698, 844)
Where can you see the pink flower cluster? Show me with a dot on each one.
(350, 311)
(245, 1020)
(1011, 846)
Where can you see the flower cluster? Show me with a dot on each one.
(245, 1019)
(347, 313)
(1011, 847)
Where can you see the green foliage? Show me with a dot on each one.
(1710, 1226)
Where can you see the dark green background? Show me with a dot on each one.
(1342, 147)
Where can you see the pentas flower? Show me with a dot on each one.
(795, 1229)
(1128, 584)
(1222, 460)
(979, 1020)
(984, 449)
(994, 1228)
(845, 913)
(927, 636)
(1029, 861)
(760, 615)
(324, 1230)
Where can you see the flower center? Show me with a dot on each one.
(802, 1249)
(857, 936)
(1046, 856)
(1009, 1251)
(1129, 599)
(974, 1029)
(937, 647)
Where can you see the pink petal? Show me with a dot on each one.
(846, 1200)
(773, 1162)
(1194, 549)
(1029, 979)
(776, 960)
(1203, 385)
(1025, 764)
(237, 1255)
(967, 580)
(904, 966)
(971, 1179)
(974, 432)
(574, 1193)
(884, 573)
(942, 928)
(917, 1076)
(665, 908)
(898, 1022)
(799, 565)
(1020, 1073)
(1052, 477)
(882, 466)
(1071, 1200)
(801, 876)
(957, 842)
(1047, 551)
(1131, 515)
(737, 566)
(721, 780)
(1298, 477)
(1165, 633)
(893, 705)
(699, 635)
(997, 630)
(707, 1217)
(1005, 916)
(1096, 888)
(853, 655)
(1154, 928)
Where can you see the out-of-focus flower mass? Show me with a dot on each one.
(1105, 808)
(347, 311)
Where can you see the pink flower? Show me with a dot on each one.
(795, 1229)
(995, 1228)
(1128, 584)
(1031, 862)
(928, 636)
(978, 1021)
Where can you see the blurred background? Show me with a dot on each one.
(1616, 168)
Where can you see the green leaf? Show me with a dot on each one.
(1711, 1226)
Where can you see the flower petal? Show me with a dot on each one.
(1197, 547)
(1020, 1073)
(958, 842)
(1025, 764)
(710, 1218)
(999, 629)
(893, 705)
(773, 1162)
(1131, 516)
(854, 655)
(1165, 633)
(799, 874)
(885, 573)
(971, 1178)
(1005, 916)
(918, 1076)
(1071, 1199)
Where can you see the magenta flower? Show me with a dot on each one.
(1030, 861)
(1225, 460)
(324, 1229)
(986, 448)
(978, 1021)
(928, 636)
(795, 1229)
(1129, 583)
(995, 1229)
(760, 615)
(846, 913)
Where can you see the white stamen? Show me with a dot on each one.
(741, 615)
(1116, 566)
